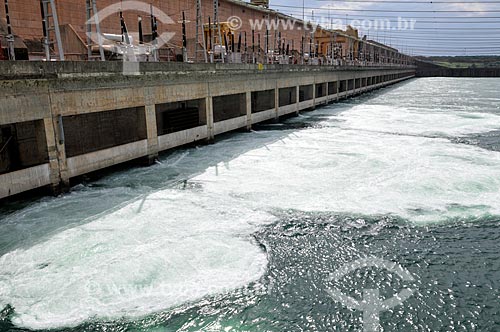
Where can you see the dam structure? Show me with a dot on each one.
(61, 120)
(107, 82)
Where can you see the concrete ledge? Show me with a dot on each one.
(321, 100)
(264, 115)
(25, 179)
(54, 69)
(283, 110)
(331, 98)
(179, 138)
(229, 125)
(24, 100)
(306, 104)
(93, 161)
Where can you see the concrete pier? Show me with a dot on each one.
(65, 119)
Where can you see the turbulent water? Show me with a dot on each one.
(244, 235)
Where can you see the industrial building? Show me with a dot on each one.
(194, 27)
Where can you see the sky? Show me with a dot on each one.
(417, 27)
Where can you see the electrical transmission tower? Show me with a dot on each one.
(51, 25)
(93, 19)
(199, 27)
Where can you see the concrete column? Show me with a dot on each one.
(151, 127)
(54, 131)
(314, 93)
(327, 93)
(248, 107)
(55, 173)
(297, 92)
(209, 107)
(277, 101)
(152, 132)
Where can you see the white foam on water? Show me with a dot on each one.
(176, 246)
(168, 248)
(415, 121)
(418, 178)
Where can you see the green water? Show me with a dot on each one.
(244, 235)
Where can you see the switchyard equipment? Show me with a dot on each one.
(10, 36)
(199, 27)
(51, 25)
(93, 19)
(216, 22)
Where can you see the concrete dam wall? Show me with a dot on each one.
(60, 120)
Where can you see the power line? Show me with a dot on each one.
(457, 22)
(393, 10)
(440, 39)
(432, 33)
(374, 16)
(455, 50)
(412, 2)
(433, 22)
(449, 48)
(435, 29)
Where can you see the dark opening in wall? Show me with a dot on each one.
(22, 145)
(320, 90)
(85, 133)
(181, 115)
(332, 87)
(306, 92)
(358, 83)
(363, 81)
(228, 107)
(288, 96)
(263, 100)
(350, 84)
(343, 86)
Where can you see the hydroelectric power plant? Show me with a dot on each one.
(199, 165)
(78, 117)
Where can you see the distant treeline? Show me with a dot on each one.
(432, 69)
(488, 61)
